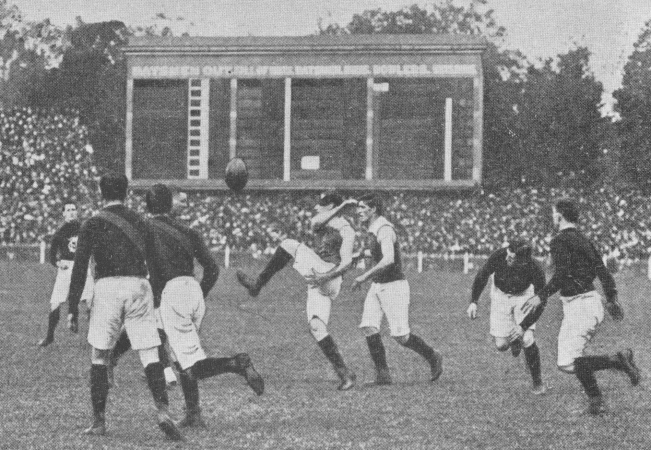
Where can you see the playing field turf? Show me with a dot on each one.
(481, 401)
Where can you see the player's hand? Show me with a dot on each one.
(472, 311)
(615, 309)
(73, 323)
(316, 278)
(531, 305)
(62, 265)
(516, 333)
(357, 283)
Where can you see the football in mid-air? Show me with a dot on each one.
(236, 174)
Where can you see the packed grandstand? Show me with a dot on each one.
(45, 157)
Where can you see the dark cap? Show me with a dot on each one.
(330, 198)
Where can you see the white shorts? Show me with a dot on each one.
(581, 316)
(319, 299)
(62, 286)
(182, 308)
(122, 301)
(506, 312)
(390, 299)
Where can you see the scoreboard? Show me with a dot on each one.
(354, 112)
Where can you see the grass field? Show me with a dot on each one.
(481, 401)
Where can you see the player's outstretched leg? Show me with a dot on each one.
(52, 321)
(190, 389)
(379, 357)
(157, 386)
(434, 358)
(239, 364)
(279, 259)
(532, 356)
(330, 350)
(99, 388)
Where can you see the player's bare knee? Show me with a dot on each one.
(100, 357)
(402, 340)
(318, 328)
(148, 356)
(528, 339)
(370, 331)
(568, 368)
(502, 344)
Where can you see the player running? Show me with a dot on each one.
(323, 269)
(62, 254)
(388, 294)
(577, 262)
(182, 305)
(121, 242)
(516, 277)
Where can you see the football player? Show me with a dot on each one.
(62, 254)
(577, 263)
(516, 277)
(122, 244)
(323, 268)
(389, 293)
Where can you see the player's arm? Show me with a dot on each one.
(324, 217)
(54, 247)
(152, 258)
(386, 238)
(210, 267)
(538, 277)
(480, 283)
(79, 273)
(610, 289)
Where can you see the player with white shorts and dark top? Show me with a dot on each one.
(388, 295)
(62, 254)
(322, 268)
(516, 277)
(577, 263)
(182, 305)
(121, 243)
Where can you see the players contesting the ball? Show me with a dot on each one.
(182, 305)
(389, 293)
(515, 278)
(322, 267)
(62, 254)
(577, 263)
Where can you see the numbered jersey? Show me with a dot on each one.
(64, 242)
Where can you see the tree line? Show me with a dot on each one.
(542, 119)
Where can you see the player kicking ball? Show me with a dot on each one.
(388, 295)
(62, 254)
(516, 278)
(577, 263)
(323, 268)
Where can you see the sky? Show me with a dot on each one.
(539, 28)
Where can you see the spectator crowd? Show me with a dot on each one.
(45, 158)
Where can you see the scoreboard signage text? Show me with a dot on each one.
(334, 71)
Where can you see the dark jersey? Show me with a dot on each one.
(513, 279)
(328, 239)
(576, 264)
(173, 259)
(392, 272)
(114, 253)
(64, 242)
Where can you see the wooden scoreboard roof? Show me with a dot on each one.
(380, 43)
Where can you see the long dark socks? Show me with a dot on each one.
(532, 356)
(377, 351)
(99, 388)
(156, 382)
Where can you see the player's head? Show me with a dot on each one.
(328, 200)
(277, 230)
(113, 186)
(369, 206)
(565, 210)
(519, 251)
(70, 212)
(159, 199)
